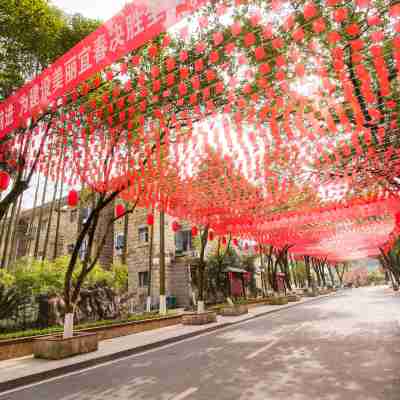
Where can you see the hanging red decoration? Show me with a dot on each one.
(73, 198)
(340, 14)
(4, 180)
(211, 236)
(175, 226)
(150, 219)
(249, 39)
(395, 10)
(310, 10)
(119, 210)
(298, 35)
(195, 231)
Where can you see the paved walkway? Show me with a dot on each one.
(11, 370)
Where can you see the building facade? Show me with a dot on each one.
(50, 231)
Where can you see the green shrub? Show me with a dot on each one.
(119, 277)
(33, 277)
(6, 279)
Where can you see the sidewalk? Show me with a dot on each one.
(27, 370)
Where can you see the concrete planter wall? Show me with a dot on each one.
(279, 301)
(293, 298)
(14, 348)
(57, 348)
(233, 311)
(199, 319)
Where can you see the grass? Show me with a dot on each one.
(58, 329)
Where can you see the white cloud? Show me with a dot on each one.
(100, 9)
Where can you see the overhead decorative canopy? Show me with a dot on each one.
(274, 121)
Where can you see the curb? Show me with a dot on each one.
(41, 376)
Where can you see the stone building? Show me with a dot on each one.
(127, 241)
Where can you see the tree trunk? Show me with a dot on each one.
(308, 271)
(47, 237)
(68, 324)
(32, 219)
(3, 229)
(14, 241)
(57, 235)
(148, 302)
(163, 300)
(331, 275)
(7, 238)
(201, 271)
(39, 228)
(124, 255)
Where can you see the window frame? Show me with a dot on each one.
(144, 228)
(143, 279)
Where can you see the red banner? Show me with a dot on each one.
(131, 28)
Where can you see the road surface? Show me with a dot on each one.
(345, 347)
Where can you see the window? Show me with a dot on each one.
(143, 234)
(73, 214)
(119, 241)
(144, 279)
(183, 241)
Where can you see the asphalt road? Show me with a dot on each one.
(345, 347)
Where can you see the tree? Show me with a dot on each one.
(218, 260)
(341, 270)
(201, 267)
(86, 239)
(32, 35)
(390, 262)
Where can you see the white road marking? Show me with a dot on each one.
(270, 344)
(185, 394)
(262, 349)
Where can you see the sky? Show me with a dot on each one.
(100, 9)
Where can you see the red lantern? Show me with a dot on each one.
(4, 180)
(73, 198)
(175, 226)
(211, 236)
(195, 231)
(310, 10)
(397, 219)
(150, 219)
(223, 241)
(119, 210)
(235, 242)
